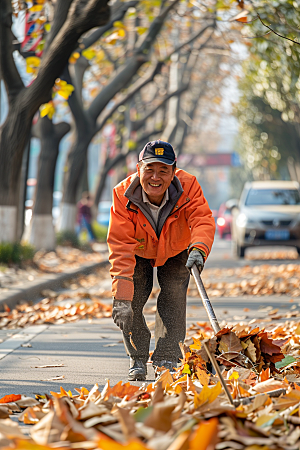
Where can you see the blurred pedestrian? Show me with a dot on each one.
(84, 215)
(159, 218)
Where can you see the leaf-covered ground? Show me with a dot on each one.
(189, 410)
(59, 261)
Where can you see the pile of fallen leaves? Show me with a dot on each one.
(290, 253)
(187, 411)
(264, 279)
(254, 349)
(81, 301)
(64, 258)
(55, 309)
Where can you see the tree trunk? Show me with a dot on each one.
(73, 177)
(22, 191)
(24, 102)
(14, 135)
(41, 232)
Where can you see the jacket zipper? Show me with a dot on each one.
(176, 210)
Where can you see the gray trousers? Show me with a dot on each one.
(170, 320)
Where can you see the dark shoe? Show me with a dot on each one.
(137, 371)
(162, 365)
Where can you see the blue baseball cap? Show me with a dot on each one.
(158, 151)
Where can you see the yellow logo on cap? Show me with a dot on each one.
(159, 151)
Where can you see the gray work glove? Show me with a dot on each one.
(195, 257)
(122, 314)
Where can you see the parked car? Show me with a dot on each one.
(224, 220)
(268, 213)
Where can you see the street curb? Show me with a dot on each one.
(31, 291)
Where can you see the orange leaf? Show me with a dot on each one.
(223, 331)
(10, 398)
(202, 376)
(25, 444)
(109, 444)
(265, 374)
(121, 391)
(205, 435)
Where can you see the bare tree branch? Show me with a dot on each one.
(275, 32)
(118, 11)
(61, 11)
(140, 56)
(137, 125)
(137, 86)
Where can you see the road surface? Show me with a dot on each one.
(91, 352)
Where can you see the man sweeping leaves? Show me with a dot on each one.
(159, 218)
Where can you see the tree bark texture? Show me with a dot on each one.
(41, 232)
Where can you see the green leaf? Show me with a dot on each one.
(142, 413)
(285, 362)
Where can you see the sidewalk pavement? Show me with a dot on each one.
(32, 290)
(92, 351)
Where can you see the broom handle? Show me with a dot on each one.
(205, 300)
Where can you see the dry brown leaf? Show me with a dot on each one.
(57, 378)
(270, 385)
(49, 365)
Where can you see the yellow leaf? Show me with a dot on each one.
(186, 369)
(100, 56)
(141, 30)
(63, 94)
(207, 395)
(196, 345)
(262, 420)
(180, 380)
(36, 8)
(121, 32)
(234, 376)
(33, 61)
(89, 53)
(118, 24)
(47, 110)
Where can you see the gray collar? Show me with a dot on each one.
(134, 195)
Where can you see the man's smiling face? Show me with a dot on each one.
(155, 179)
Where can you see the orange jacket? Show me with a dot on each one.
(187, 222)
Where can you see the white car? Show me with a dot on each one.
(268, 213)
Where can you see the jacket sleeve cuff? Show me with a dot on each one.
(122, 289)
(203, 249)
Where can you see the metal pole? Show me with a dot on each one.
(218, 371)
(205, 300)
